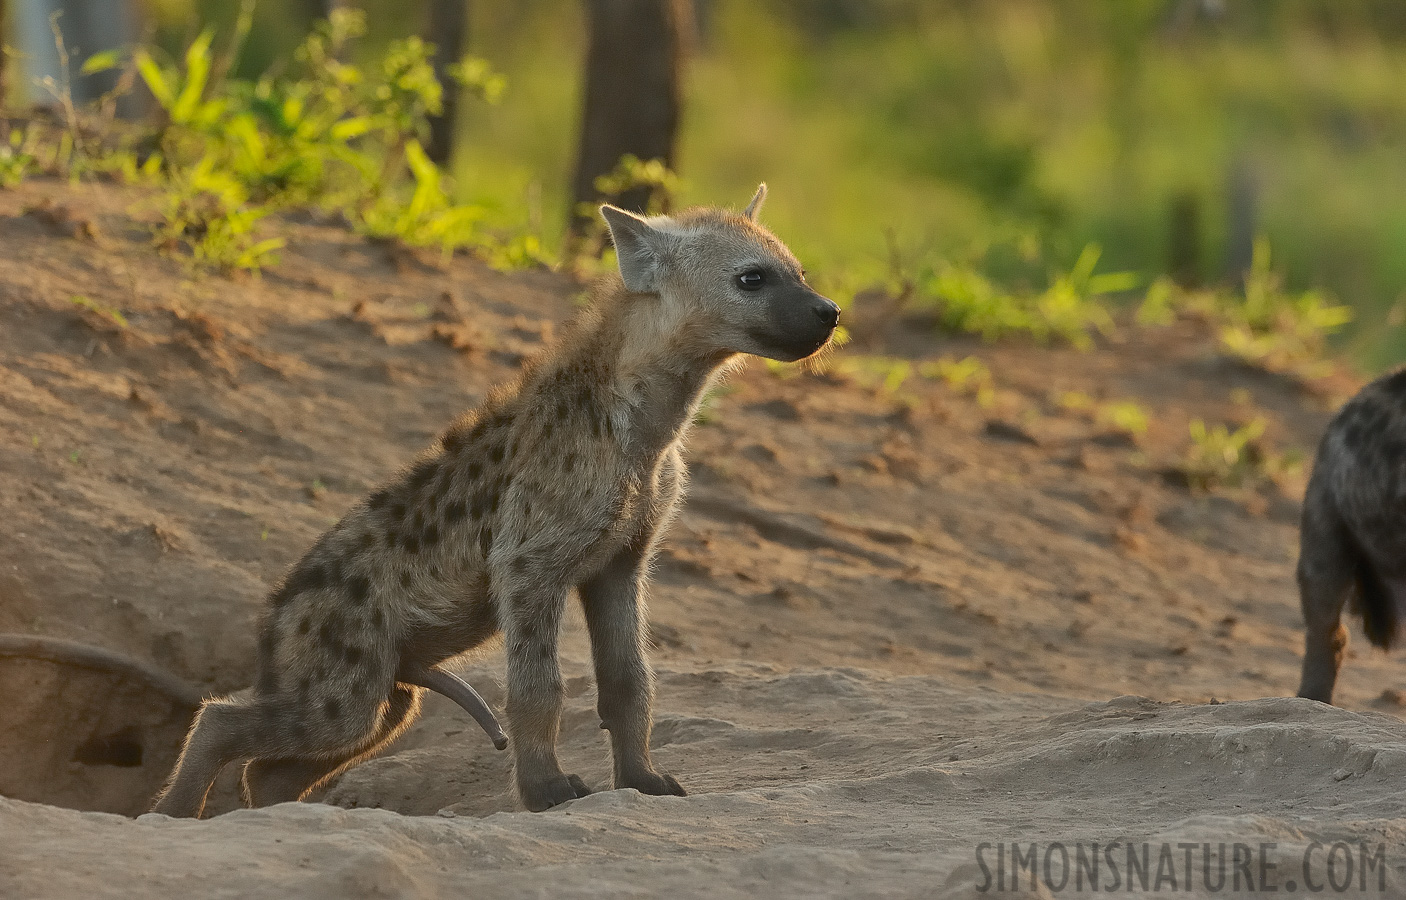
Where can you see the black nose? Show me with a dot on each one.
(829, 314)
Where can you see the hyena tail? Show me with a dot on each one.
(1375, 602)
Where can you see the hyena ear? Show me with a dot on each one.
(755, 206)
(640, 249)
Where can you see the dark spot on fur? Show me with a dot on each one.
(392, 537)
(377, 617)
(496, 454)
(423, 474)
(378, 499)
(563, 411)
(455, 511)
(367, 540)
(398, 512)
(569, 463)
(303, 578)
(351, 654)
(304, 625)
(473, 470)
(485, 540)
(521, 564)
(330, 631)
(358, 588)
(304, 685)
(454, 440)
(332, 708)
(430, 536)
(418, 522)
(412, 544)
(492, 502)
(527, 509)
(405, 579)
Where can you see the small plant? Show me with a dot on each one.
(1122, 416)
(884, 375)
(1070, 308)
(428, 217)
(1280, 332)
(209, 212)
(588, 251)
(968, 376)
(631, 173)
(1264, 326)
(110, 313)
(1221, 457)
(323, 132)
(17, 157)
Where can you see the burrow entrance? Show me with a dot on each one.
(86, 728)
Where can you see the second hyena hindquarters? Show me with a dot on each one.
(1352, 541)
(564, 481)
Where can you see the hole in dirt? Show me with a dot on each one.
(86, 728)
(121, 748)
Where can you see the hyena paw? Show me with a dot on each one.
(549, 792)
(657, 784)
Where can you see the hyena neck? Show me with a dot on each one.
(651, 364)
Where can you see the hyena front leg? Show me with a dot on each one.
(624, 680)
(531, 620)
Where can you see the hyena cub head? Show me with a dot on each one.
(726, 274)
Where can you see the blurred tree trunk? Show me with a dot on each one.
(633, 77)
(1242, 207)
(4, 56)
(314, 10)
(1184, 239)
(447, 29)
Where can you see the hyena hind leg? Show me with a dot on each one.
(286, 779)
(225, 730)
(1326, 573)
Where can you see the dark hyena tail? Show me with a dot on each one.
(1374, 601)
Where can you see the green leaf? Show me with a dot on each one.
(197, 73)
(155, 79)
(347, 129)
(102, 62)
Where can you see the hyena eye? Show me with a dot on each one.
(751, 280)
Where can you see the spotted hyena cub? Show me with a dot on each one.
(1353, 537)
(565, 479)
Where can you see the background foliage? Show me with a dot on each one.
(955, 141)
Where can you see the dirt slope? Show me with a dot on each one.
(881, 620)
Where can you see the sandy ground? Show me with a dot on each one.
(890, 628)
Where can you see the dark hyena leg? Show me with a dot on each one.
(535, 694)
(1325, 576)
(283, 780)
(624, 680)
